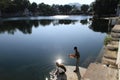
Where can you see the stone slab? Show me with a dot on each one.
(98, 71)
(116, 28)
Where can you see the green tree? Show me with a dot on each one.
(21, 4)
(45, 9)
(84, 8)
(4, 4)
(105, 7)
(65, 9)
(33, 7)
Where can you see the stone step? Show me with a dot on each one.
(114, 43)
(115, 35)
(108, 61)
(72, 75)
(115, 39)
(116, 28)
(112, 47)
(97, 71)
(110, 54)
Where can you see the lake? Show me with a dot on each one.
(29, 46)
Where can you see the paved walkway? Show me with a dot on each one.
(70, 75)
(97, 71)
(74, 76)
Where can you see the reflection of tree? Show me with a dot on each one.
(45, 22)
(84, 22)
(25, 26)
(12, 26)
(67, 21)
(35, 23)
(100, 25)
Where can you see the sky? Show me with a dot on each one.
(62, 2)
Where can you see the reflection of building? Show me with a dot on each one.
(118, 10)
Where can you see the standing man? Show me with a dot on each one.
(77, 56)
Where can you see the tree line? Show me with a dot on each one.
(20, 7)
(99, 8)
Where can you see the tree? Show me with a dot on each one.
(65, 9)
(105, 7)
(45, 9)
(84, 8)
(21, 4)
(33, 7)
(4, 4)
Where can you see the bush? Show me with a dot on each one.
(107, 40)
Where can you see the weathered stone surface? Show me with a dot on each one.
(114, 43)
(74, 76)
(100, 72)
(110, 54)
(116, 28)
(115, 39)
(115, 35)
(70, 75)
(108, 61)
(112, 47)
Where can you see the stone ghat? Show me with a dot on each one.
(70, 75)
(95, 71)
(111, 50)
(108, 69)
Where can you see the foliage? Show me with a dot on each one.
(65, 9)
(84, 22)
(33, 7)
(84, 8)
(18, 8)
(105, 7)
(107, 40)
(100, 25)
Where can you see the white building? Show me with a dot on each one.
(118, 10)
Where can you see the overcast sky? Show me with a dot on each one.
(50, 2)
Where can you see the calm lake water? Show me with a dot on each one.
(29, 46)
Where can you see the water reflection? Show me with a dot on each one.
(25, 26)
(84, 21)
(31, 56)
(100, 25)
(45, 22)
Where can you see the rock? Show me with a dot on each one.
(115, 35)
(110, 54)
(114, 43)
(116, 28)
(108, 61)
(115, 39)
(112, 47)
(97, 71)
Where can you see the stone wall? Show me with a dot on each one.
(111, 49)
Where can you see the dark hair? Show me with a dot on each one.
(75, 47)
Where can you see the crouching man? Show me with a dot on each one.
(60, 72)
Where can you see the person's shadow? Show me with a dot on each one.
(78, 75)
